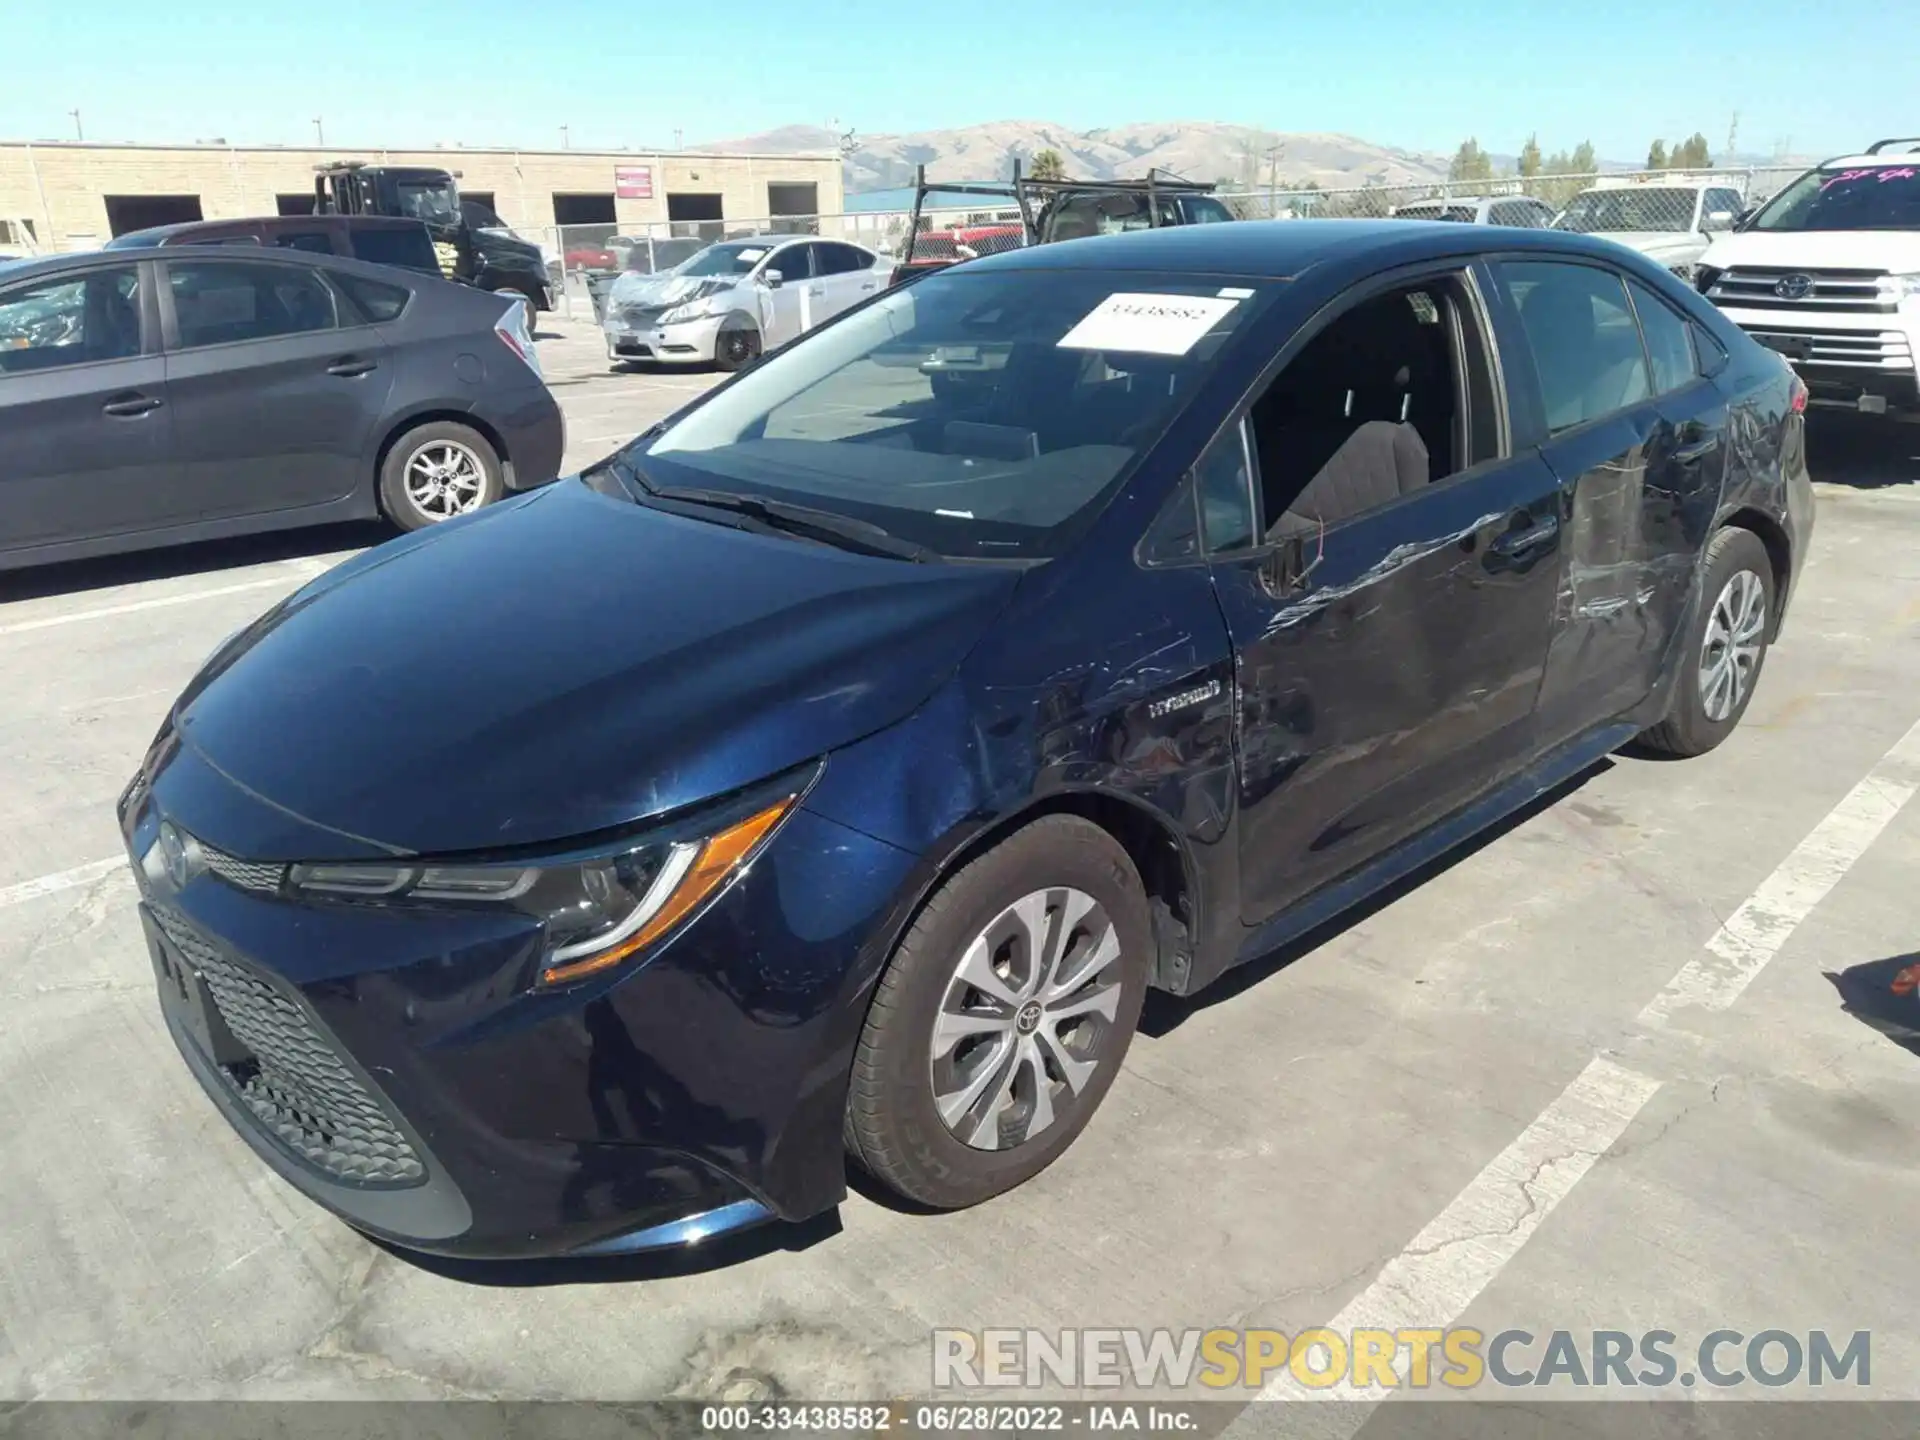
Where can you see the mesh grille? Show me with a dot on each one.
(245, 874)
(295, 1085)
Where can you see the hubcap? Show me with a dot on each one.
(1026, 1019)
(1731, 650)
(445, 479)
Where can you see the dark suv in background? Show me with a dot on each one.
(152, 396)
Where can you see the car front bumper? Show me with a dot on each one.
(397, 1067)
(1861, 362)
(690, 343)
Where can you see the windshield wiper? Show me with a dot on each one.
(631, 478)
(825, 525)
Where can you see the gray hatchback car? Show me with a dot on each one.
(154, 398)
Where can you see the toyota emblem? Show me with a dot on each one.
(1793, 287)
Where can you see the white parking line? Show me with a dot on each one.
(1755, 932)
(1457, 1255)
(107, 612)
(64, 880)
(1430, 1283)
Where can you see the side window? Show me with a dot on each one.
(219, 302)
(70, 321)
(1669, 340)
(1375, 407)
(1585, 344)
(315, 242)
(1225, 482)
(830, 259)
(794, 263)
(1175, 533)
(410, 247)
(379, 302)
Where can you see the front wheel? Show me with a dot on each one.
(1002, 1019)
(1721, 662)
(437, 472)
(736, 347)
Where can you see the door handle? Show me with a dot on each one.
(816, 290)
(1519, 542)
(351, 367)
(869, 285)
(131, 407)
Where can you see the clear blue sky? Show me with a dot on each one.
(1404, 72)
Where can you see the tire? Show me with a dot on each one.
(736, 347)
(1025, 1103)
(1710, 696)
(438, 471)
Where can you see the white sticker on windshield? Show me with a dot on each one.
(749, 256)
(1234, 292)
(1147, 324)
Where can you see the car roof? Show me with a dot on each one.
(91, 259)
(266, 224)
(1283, 249)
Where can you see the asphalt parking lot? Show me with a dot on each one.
(1595, 1073)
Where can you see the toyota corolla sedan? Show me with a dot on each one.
(830, 773)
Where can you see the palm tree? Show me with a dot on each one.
(1048, 165)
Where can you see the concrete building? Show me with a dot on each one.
(77, 194)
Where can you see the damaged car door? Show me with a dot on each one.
(1391, 619)
(1635, 430)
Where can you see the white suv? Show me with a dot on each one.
(1828, 273)
(1670, 221)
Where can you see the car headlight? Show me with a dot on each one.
(598, 908)
(696, 309)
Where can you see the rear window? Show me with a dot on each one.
(378, 301)
(409, 248)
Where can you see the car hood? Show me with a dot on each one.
(633, 288)
(1894, 250)
(568, 663)
(1663, 245)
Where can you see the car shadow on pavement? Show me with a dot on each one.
(205, 557)
(1863, 452)
(722, 1253)
(1165, 1013)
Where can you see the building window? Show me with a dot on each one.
(580, 209)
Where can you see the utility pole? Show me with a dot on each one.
(78, 133)
(677, 132)
(1273, 177)
(319, 134)
(565, 142)
(1733, 131)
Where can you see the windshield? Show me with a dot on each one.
(984, 415)
(1882, 197)
(734, 258)
(1597, 212)
(429, 200)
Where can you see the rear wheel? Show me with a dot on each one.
(437, 472)
(1002, 1018)
(1721, 662)
(736, 347)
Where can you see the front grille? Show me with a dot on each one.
(294, 1082)
(1751, 287)
(135, 792)
(643, 314)
(1869, 349)
(243, 874)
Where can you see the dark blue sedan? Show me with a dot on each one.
(831, 772)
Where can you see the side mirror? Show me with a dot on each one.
(771, 279)
(1720, 220)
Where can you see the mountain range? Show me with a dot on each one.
(1193, 149)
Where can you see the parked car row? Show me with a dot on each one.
(861, 749)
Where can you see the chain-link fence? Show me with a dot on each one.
(582, 260)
